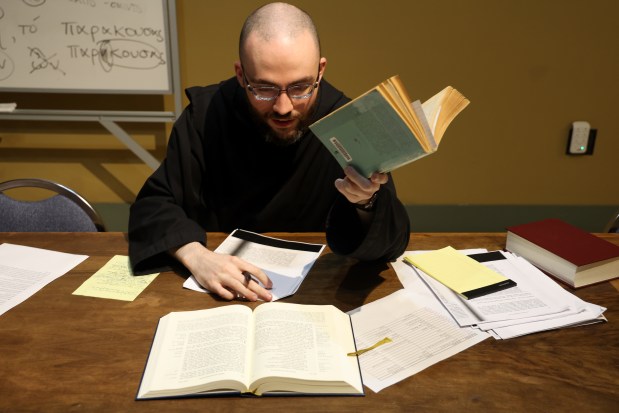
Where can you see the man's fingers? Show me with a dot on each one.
(357, 179)
(353, 192)
(258, 274)
(250, 287)
(379, 179)
(363, 182)
(254, 291)
(224, 293)
(358, 188)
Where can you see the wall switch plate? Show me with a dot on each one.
(581, 139)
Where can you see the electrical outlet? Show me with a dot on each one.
(578, 142)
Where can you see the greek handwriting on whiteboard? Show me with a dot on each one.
(85, 45)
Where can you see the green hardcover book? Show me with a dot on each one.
(381, 130)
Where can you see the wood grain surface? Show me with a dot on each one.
(65, 353)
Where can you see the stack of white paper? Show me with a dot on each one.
(536, 304)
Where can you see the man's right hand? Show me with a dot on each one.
(223, 274)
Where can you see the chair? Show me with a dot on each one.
(65, 211)
(613, 225)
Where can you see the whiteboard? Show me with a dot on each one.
(98, 46)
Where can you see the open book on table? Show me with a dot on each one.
(382, 130)
(276, 349)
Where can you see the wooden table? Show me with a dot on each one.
(66, 353)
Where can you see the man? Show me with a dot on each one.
(241, 156)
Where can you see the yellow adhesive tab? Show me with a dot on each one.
(365, 350)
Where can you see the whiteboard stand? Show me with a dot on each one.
(108, 119)
(129, 142)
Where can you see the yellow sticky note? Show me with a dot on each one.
(115, 280)
(460, 273)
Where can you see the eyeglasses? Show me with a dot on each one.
(270, 93)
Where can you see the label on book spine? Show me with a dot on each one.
(340, 148)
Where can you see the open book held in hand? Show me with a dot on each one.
(382, 130)
(276, 349)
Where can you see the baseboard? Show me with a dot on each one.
(450, 218)
(495, 218)
(115, 216)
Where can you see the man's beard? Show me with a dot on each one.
(272, 136)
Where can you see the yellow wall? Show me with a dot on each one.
(529, 67)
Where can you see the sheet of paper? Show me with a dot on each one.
(25, 270)
(455, 270)
(420, 337)
(116, 281)
(286, 263)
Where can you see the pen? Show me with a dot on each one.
(248, 277)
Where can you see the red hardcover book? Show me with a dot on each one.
(574, 256)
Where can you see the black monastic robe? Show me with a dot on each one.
(219, 174)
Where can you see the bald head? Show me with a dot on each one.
(276, 21)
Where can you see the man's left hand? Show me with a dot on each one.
(358, 189)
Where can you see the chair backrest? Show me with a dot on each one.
(613, 225)
(66, 211)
